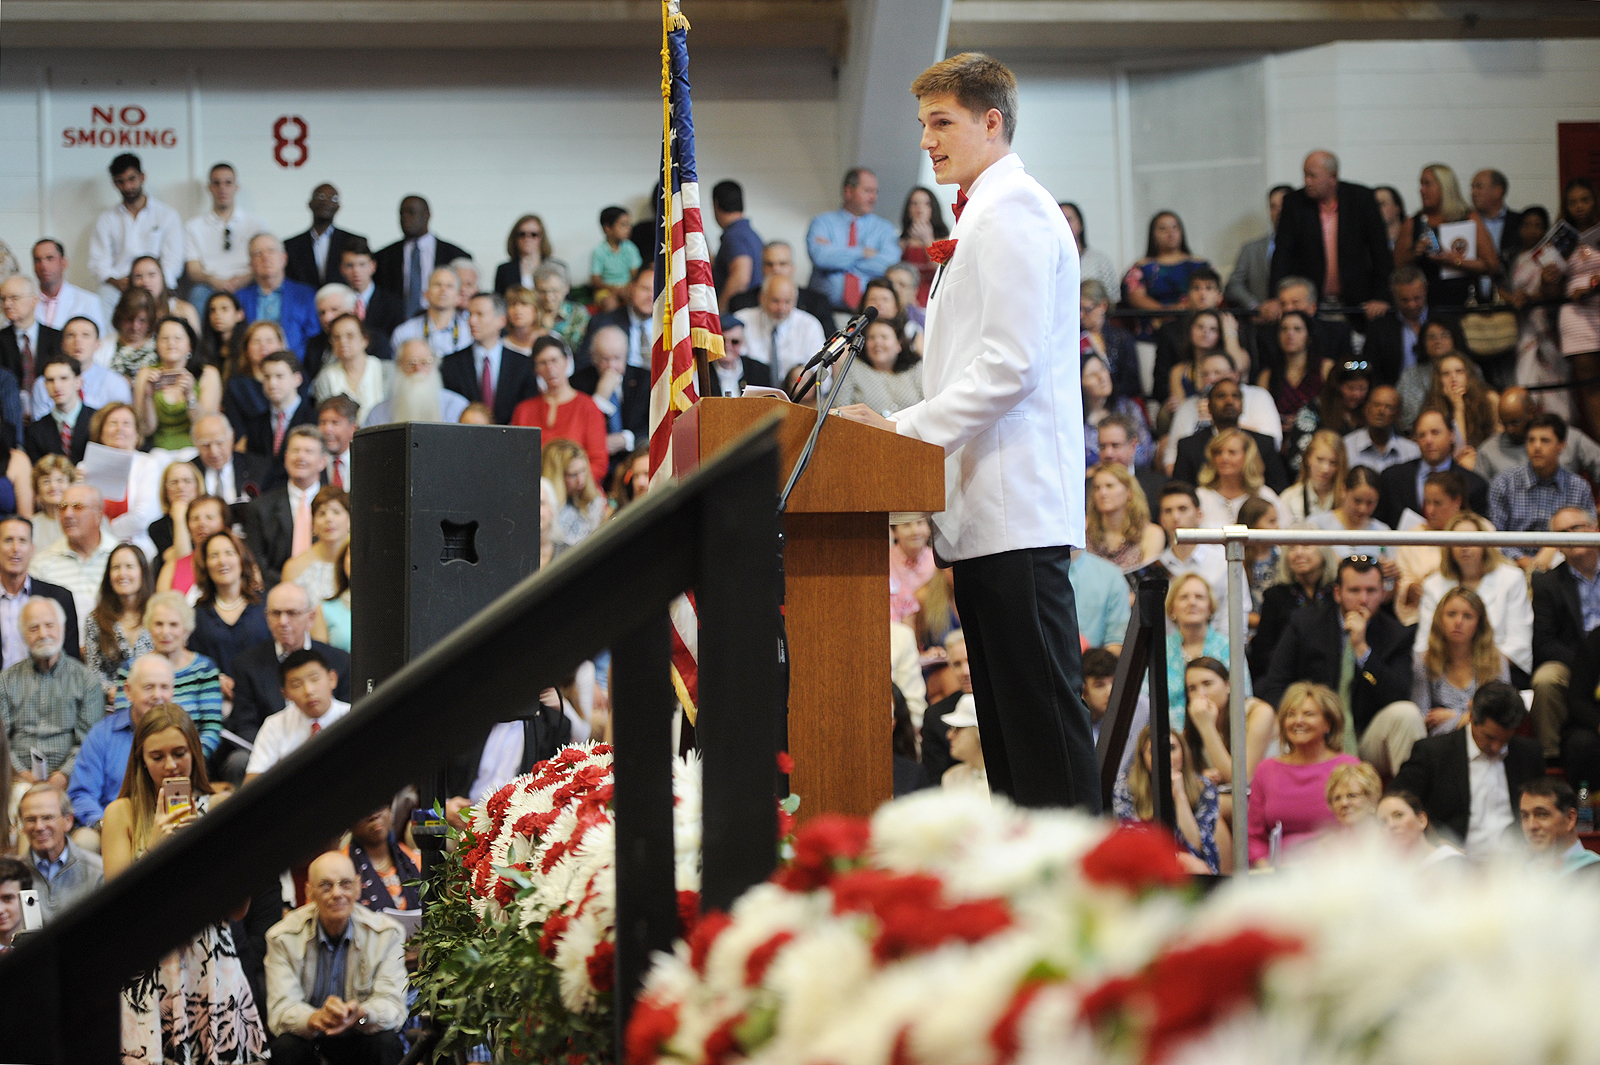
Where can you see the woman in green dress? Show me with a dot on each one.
(178, 390)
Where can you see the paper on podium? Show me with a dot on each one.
(107, 469)
(763, 392)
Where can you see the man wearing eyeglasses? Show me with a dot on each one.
(216, 242)
(336, 975)
(315, 255)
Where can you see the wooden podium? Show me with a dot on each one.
(836, 564)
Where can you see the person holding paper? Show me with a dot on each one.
(1447, 239)
(128, 480)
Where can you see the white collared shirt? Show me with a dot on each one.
(98, 387)
(121, 237)
(205, 235)
(319, 249)
(727, 380)
(1361, 451)
(301, 497)
(282, 733)
(15, 647)
(502, 757)
(796, 339)
(220, 483)
(60, 564)
(68, 303)
(446, 341)
(340, 462)
(1490, 818)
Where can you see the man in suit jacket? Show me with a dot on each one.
(297, 303)
(16, 552)
(1250, 284)
(380, 309)
(270, 523)
(26, 344)
(1476, 814)
(511, 373)
(257, 691)
(622, 392)
(1488, 195)
(1226, 402)
(1382, 720)
(236, 477)
(281, 381)
(43, 435)
(735, 370)
(1563, 617)
(1392, 338)
(302, 248)
(334, 301)
(1005, 404)
(777, 260)
(1362, 257)
(633, 318)
(405, 266)
(1398, 489)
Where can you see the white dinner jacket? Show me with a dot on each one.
(1001, 372)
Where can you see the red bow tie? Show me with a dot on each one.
(961, 204)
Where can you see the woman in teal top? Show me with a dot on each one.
(170, 395)
(332, 625)
(1190, 607)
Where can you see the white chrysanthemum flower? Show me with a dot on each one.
(583, 935)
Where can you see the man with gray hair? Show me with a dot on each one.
(470, 276)
(103, 757)
(64, 870)
(777, 257)
(272, 297)
(418, 393)
(1332, 233)
(49, 701)
(26, 344)
(443, 324)
(622, 392)
(334, 301)
(78, 560)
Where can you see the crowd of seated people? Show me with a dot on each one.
(190, 614)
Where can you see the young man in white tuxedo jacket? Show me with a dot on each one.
(1001, 373)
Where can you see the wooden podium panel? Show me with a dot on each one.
(836, 568)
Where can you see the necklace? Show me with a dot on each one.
(228, 604)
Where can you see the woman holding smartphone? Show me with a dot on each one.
(171, 395)
(195, 1005)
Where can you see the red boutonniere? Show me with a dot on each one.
(941, 250)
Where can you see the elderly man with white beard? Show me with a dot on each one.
(418, 394)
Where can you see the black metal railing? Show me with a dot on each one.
(715, 532)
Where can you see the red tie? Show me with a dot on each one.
(961, 204)
(361, 308)
(66, 438)
(852, 283)
(488, 383)
(27, 359)
(278, 418)
(316, 727)
(338, 481)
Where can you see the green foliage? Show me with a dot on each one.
(487, 982)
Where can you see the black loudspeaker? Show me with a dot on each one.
(444, 520)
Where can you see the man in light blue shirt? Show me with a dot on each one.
(851, 246)
(1101, 594)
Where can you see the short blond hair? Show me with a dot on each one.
(1177, 586)
(1323, 698)
(1359, 773)
(979, 83)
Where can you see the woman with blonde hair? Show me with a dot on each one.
(580, 505)
(1118, 519)
(1232, 474)
(196, 681)
(1451, 261)
(1201, 831)
(1289, 792)
(195, 1004)
(522, 320)
(1460, 656)
(1353, 794)
(1500, 586)
(1190, 635)
(52, 476)
(1323, 468)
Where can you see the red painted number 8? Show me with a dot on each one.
(297, 141)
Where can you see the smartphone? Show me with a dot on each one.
(41, 768)
(175, 794)
(166, 380)
(32, 913)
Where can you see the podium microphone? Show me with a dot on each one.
(840, 340)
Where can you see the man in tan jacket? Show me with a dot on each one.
(336, 976)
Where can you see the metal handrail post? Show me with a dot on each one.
(1238, 629)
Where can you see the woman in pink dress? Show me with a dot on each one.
(1289, 793)
(910, 565)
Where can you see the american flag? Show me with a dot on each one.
(686, 321)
